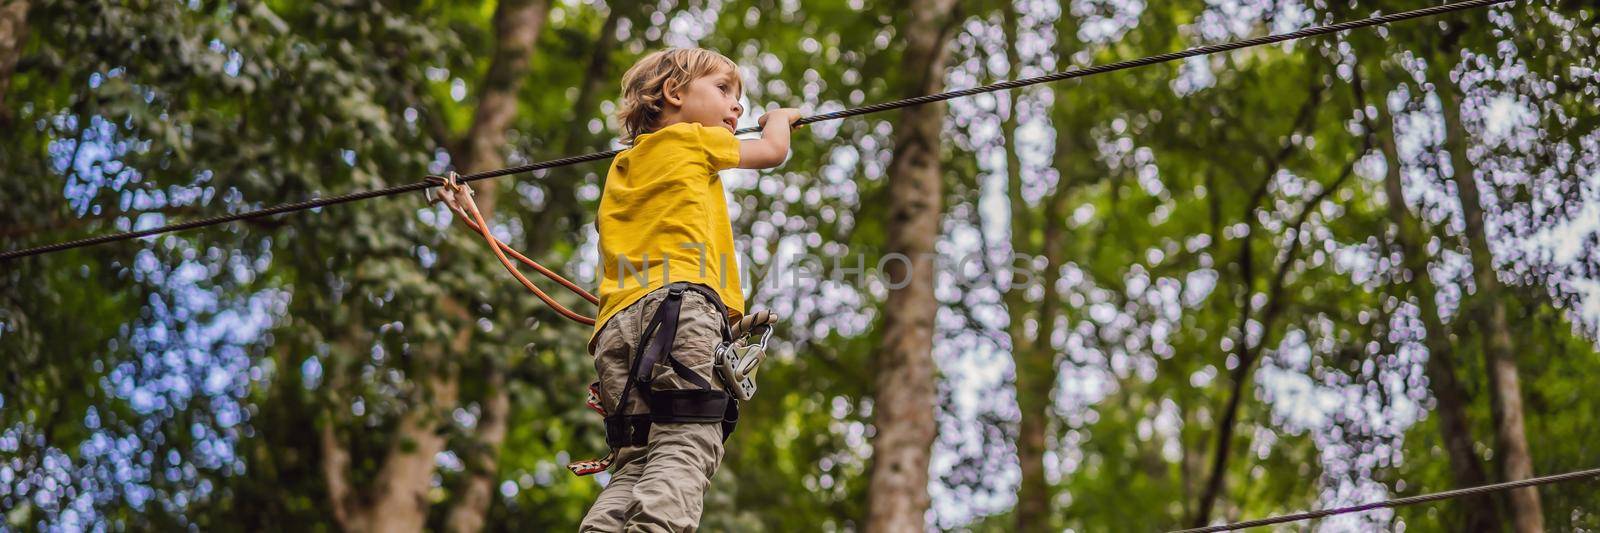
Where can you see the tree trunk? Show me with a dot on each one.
(1479, 512)
(1037, 369)
(560, 187)
(13, 34)
(1244, 352)
(399, 494)
(468, 514)
(397, 499)
(517, 24)
(1488, 311)
(1033, 493)
(897, 492)
(1033, 401)
(1036, 360)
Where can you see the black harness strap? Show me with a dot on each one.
(695, 406)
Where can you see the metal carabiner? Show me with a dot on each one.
(737, 361)
(444, 188)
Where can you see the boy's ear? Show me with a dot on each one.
(669, 89)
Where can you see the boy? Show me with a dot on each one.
(670, 285)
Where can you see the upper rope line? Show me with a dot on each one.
(1070, 73)
(1397, 502)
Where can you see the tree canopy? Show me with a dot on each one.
(1297, 276)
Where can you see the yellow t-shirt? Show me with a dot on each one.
(665, 214)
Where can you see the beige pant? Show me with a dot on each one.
(659, 486)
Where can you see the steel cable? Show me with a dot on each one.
(1399, 502)
(1068, 74)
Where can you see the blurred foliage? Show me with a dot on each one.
(1225, 223)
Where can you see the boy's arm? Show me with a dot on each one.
(773, 146)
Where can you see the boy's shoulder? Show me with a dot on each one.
(715, 143)
(681, 128)
(686, 131)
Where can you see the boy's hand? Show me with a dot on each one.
(773, 146)
(786, 116)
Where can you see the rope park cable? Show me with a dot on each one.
(1071, 73)
(1399, 502)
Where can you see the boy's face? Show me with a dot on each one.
(710, 100)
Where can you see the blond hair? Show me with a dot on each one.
(644, 85)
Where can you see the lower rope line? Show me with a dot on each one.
(1399, 502)
(1071, 73)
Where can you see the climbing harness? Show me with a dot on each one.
(701, 405)
(736, 356)
(737, 359)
